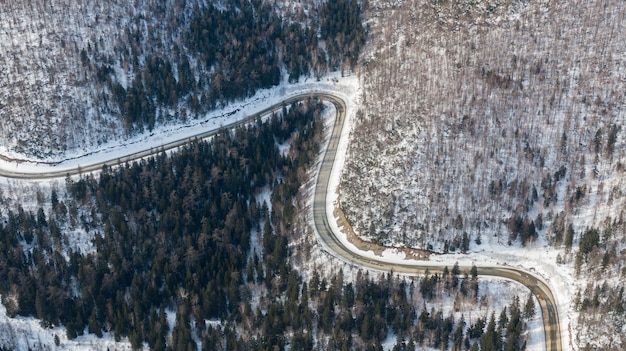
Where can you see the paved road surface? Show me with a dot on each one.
(536, 285)
(326, 234)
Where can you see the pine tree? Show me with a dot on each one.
(569, 236)
(457, 342)
(529, 309)
(514, 327)
(490, 341)
(465, 243)
(94, 326)
(504, 319)
(314, 284)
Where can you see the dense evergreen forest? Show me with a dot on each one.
(229, 52)
(170, 230)
(172, 235)
(83, 74)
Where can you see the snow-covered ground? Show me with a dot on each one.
(30, 333)
(539, 257)
(27, 194)
(540, 260)
(470, 108)
(342, 86)
(27, 334)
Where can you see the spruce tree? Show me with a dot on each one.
(529, 309)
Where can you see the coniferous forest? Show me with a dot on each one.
(95, 72)
(172, 235)
(243, 45)
(176, 264)
(479, 125)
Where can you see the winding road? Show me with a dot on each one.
(321, 217)
(326, 234)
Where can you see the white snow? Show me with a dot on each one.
(539, 260)
(165, 134)
(345, 87)
(539, 257)
(26, 333)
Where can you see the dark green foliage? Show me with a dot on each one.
(457, 341)
(569, 236)
(175, 235)
(503, 334)
(560, 174)
(227, 52)
(427, 286)
(343, 31)
(465, 243)
(597, 140)
(491, 339)
(159, 81)
(240, 42)
(589, 240)
(522, 228)
(514, 328)
(476, 330)
(300, 44)
(136, 106)
(610, 143)
(529, 309)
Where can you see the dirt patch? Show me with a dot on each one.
(344, 225)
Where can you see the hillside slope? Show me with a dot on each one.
(78, 75)
(497, 123)
(477, 116)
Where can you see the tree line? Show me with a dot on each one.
(229, 52)
(172, 240)
(170, 233)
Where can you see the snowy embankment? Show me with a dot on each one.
(491, 256)
(347, 88)
(541, 261)
(332, 83)
(24, 333)
(28, 334)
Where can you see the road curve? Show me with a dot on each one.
(537, 286)
(111, 162)
(329, 238)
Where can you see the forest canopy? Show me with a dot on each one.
(231, 51)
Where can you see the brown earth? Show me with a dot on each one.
(344, 225)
